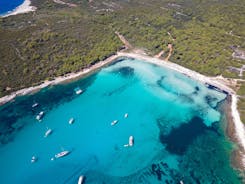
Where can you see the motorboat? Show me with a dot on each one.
(81, 179)
(40, 116)
(71, 121)
(131, 141)
(62, 154)
(48, 132)
(78, 91)
(126, 115)
(34, 105)
(114, 122)
(33, 159)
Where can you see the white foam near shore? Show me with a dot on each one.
(25, 7)
(215, 81)
(239, 127)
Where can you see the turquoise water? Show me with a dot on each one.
(175, 121)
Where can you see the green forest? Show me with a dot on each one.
(58, 39)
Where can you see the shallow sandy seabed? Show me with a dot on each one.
(215, 81)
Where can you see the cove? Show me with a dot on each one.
(176, 123)
(8, 6)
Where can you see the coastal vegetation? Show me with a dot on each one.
(58, 39)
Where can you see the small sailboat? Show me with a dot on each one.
(81, 179)
(126, 115)
(48, 132)
(114, 122)
(40, 116)
(71, 121)
(34, 105)
(33, 159)
(78, 91)
(131, 141)
(62, 154)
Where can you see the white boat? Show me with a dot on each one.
(78, 91)
(62, 154)
(71, 121)
(80, 180)
(126, 115)
(131, 141)
(33, 159)
(48, 132)
(40, 116)
(34, 105)
(114, 122)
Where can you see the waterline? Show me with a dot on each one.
(163, 107)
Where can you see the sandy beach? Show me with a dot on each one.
(239, 129)
(215, 81)
(25, 7)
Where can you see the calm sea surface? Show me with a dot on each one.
(177, 128)
(9, 5)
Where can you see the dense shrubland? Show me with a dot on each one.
(57, 39)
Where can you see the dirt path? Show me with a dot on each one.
(123, 39)
(159, 55)
(170, 47)
(64, 3)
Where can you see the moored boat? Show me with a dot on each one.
(131, 141)
(40, 116)
(71, 121)
(80, 180)
(34, 105)
(62, 154)
(33, 159)
(48, 132)
(114, 122)
(78, 91)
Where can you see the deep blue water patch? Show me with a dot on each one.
(9, 5)
(160, 82)
(209, 86)
(22, 106)
(197, 89)
(117, 90)
(180, 138)
(193, 165)
(194, 151)
(125, 71)
(211, 100)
